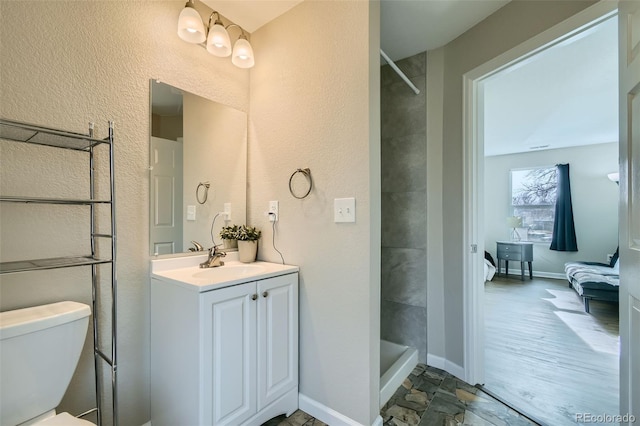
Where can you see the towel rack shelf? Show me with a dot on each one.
(14, 131)
(43, 200)
(40, 135)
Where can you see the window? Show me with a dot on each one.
(533, 198)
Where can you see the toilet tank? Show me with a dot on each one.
(39, 351)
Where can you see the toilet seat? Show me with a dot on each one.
(64, 419)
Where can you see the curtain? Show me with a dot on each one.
(564, 231)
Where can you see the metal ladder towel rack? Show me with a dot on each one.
(37, 135)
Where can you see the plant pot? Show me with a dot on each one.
(247, 251)
(230, 244)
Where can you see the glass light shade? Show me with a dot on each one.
(190, 26)
(514, 222)
(242, 54)
(218, 42)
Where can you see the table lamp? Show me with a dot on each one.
(514, 222)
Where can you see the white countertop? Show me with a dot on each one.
(185, 272)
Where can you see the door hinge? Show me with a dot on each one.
(474, 248)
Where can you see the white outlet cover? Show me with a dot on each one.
(274, 208)
(191, 212)
(344, 210)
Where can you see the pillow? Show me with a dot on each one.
(614, 258)
(488, 257)
(616, 266)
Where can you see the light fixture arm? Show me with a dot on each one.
(217, 21)
(242, 34)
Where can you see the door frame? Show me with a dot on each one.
(473, 176)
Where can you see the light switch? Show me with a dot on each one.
(191, 212)
(344, 210)
(227, 211)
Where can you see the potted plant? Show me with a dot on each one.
(229, 235)
(248, 237)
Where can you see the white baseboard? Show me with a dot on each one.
(378, 421)
(539, 274)
(436, 361)
(328, 415)
(446, 365)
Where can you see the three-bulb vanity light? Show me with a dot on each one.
(191, 29)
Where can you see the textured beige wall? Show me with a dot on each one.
(67, 63)
(215, 151)
(509, 26)
(314, 104)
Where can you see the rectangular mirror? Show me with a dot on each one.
(198, 163)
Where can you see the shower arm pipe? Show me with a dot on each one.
(400, 73)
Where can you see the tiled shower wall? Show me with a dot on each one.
(404, 206)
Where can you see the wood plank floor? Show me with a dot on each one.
(545, 355)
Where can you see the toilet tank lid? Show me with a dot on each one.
(28, 320)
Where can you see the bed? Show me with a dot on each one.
(594, 281)
(489, 267)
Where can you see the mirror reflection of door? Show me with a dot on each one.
(166, 196)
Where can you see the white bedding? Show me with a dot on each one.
(489, 270)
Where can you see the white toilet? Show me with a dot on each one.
(39, 351)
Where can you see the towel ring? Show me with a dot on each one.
(204, 185)
(307, 174)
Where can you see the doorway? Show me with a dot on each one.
(474, 90)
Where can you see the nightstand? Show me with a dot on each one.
(518, 251)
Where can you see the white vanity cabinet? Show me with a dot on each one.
(226, 356)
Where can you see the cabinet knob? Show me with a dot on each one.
(254, 296)
(265, 294)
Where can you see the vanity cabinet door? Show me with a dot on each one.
(277, 337)
(229, 354)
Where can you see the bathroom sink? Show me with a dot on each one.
(228, 271)
(185, 272)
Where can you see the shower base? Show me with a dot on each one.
(396, 363)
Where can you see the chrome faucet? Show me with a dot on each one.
(196, 246)
(214, 259)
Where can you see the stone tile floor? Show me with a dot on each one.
(431, 397)
(299, 418)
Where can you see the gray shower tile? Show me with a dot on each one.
(413, 66)
(404, 163)
(404, 276)
(404, 324)
(404, 219)
(402, 112)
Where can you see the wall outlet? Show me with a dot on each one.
(227, 211)
(191, 212)
(273, 212)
